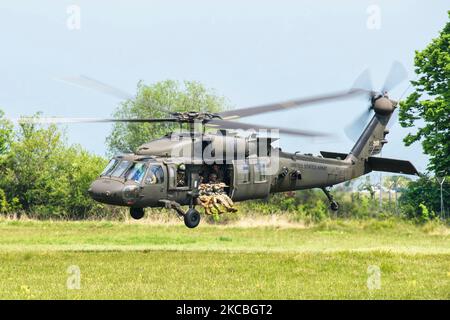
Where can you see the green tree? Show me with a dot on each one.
(367, 185)
(47, 178)
(395, 183)
(430, 103)
(6, 134)
(425, 191)
(156, 101)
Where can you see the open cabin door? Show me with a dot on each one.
(181, 183)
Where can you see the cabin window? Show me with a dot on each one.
(155, 175)
(260, 171)
(243, 173)
(120, 168)
(137, 171)
(172, 176)
(111, 165)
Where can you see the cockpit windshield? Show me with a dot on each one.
(137, 171)
(120, 168)
(111, 165)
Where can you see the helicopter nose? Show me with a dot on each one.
(107, 191)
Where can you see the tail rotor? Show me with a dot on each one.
(379, 102)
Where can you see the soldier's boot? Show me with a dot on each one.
(227, 203)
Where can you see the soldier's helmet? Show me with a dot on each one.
(213, 177)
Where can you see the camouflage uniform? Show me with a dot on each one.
(222, 197)
(205, 197)
(214, 199)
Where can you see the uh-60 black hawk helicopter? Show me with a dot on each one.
(169, 171)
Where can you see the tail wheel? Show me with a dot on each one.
(191, 218)
(137, 213)
(334, 205)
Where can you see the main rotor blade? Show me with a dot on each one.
(394, 117)
(396, 75)
(287, 105)
(225, 124)
(56, 120)
(364, 81)
(356, 127)
(90, 83)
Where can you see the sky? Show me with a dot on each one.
(252, 52)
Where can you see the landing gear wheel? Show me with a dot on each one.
(191, 218)
(334, 205)
(137, 213)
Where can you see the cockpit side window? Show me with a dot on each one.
(111, 165)
(120, 168)
(155, 175)
(137, 171)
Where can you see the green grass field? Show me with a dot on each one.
(147, 261)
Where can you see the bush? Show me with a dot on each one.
(8, 207)
(47, 178)
(421, 199)
(4, 206)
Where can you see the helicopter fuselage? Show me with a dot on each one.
(250, 167)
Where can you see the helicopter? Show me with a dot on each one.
(168, 172)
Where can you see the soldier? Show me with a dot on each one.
(212, 178)
(219, 172)
(206, 198)
(212, 196)
(223, 198)
(181, 175)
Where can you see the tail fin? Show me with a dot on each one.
(370, 143)
(378, 164)
(371, 140)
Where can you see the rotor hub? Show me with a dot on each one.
(192, 116)
(383, 105)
